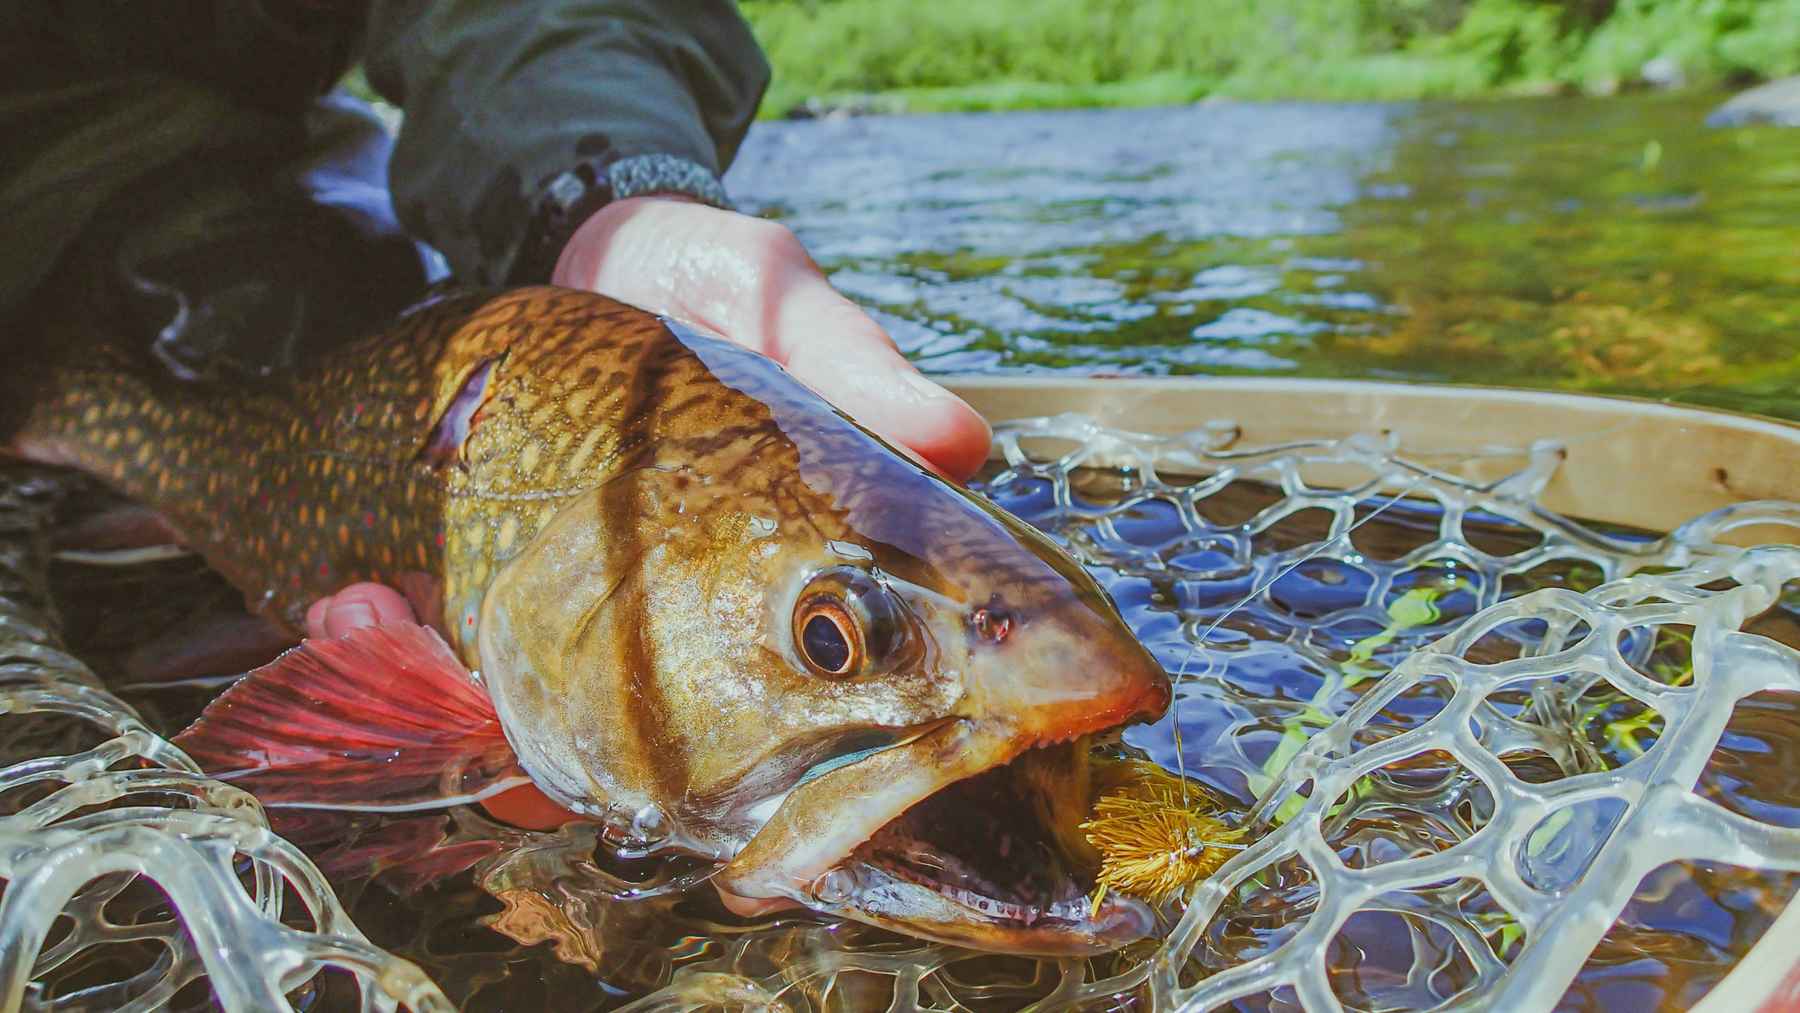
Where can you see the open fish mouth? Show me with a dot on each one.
(980, 863)
(993, 860)
(967, 830)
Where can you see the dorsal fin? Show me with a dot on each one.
(382, 718)
(452, 429)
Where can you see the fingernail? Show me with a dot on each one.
(349, 616)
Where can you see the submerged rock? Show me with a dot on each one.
(1663, 72)
(1777, 103)
(837, 107)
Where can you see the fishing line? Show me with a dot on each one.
(1421, 474)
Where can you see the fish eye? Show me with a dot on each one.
(827, 637)
(848, 623)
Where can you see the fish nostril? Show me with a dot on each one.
(992, 623)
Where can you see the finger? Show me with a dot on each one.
(751, 281)
(835, 348)
(355, 607)
(315, 617)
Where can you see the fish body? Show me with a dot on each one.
(697, 597)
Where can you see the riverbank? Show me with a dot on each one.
(954, 55)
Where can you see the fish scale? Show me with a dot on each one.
(298, 486)
(635, 533)
(290, 488)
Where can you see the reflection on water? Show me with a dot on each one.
(1601, 245)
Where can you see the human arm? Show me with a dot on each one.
(514, 111)
(588, 139)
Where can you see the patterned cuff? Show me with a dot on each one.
(645, 174)
(570, 198)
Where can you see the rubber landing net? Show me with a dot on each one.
(132, 881)
(1500, 721)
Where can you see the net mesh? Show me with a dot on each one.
(1498, 714)
(1466, 730)
(129, 876)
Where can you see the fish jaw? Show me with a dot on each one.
(822, 821)
(863, 844)
(832, 844)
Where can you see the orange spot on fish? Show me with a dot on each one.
(368, 518)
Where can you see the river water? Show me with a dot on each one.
(1611, 245)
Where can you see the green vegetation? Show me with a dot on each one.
(930, 55)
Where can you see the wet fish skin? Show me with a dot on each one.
(717, 490)
(621, 544)
(292, 487)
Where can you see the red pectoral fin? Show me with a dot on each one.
(384, 717)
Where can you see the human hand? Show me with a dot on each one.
(356, 606)
(749, 280)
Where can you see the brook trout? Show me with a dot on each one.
(704, 606)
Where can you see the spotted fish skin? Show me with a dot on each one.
(632, 530)
(291, 487)
(294, 487)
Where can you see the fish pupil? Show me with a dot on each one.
(825, 644)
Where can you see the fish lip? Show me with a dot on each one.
(902, 735)
(1072, 927)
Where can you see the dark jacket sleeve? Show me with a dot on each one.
(504, 100)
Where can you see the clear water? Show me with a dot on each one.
(1610, 245)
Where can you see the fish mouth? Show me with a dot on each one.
(967, 831)
(991, 860)
(992, 863)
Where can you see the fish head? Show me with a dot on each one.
(855, 685)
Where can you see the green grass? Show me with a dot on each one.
(933, 55)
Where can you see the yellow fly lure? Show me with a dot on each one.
(1155, 839)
